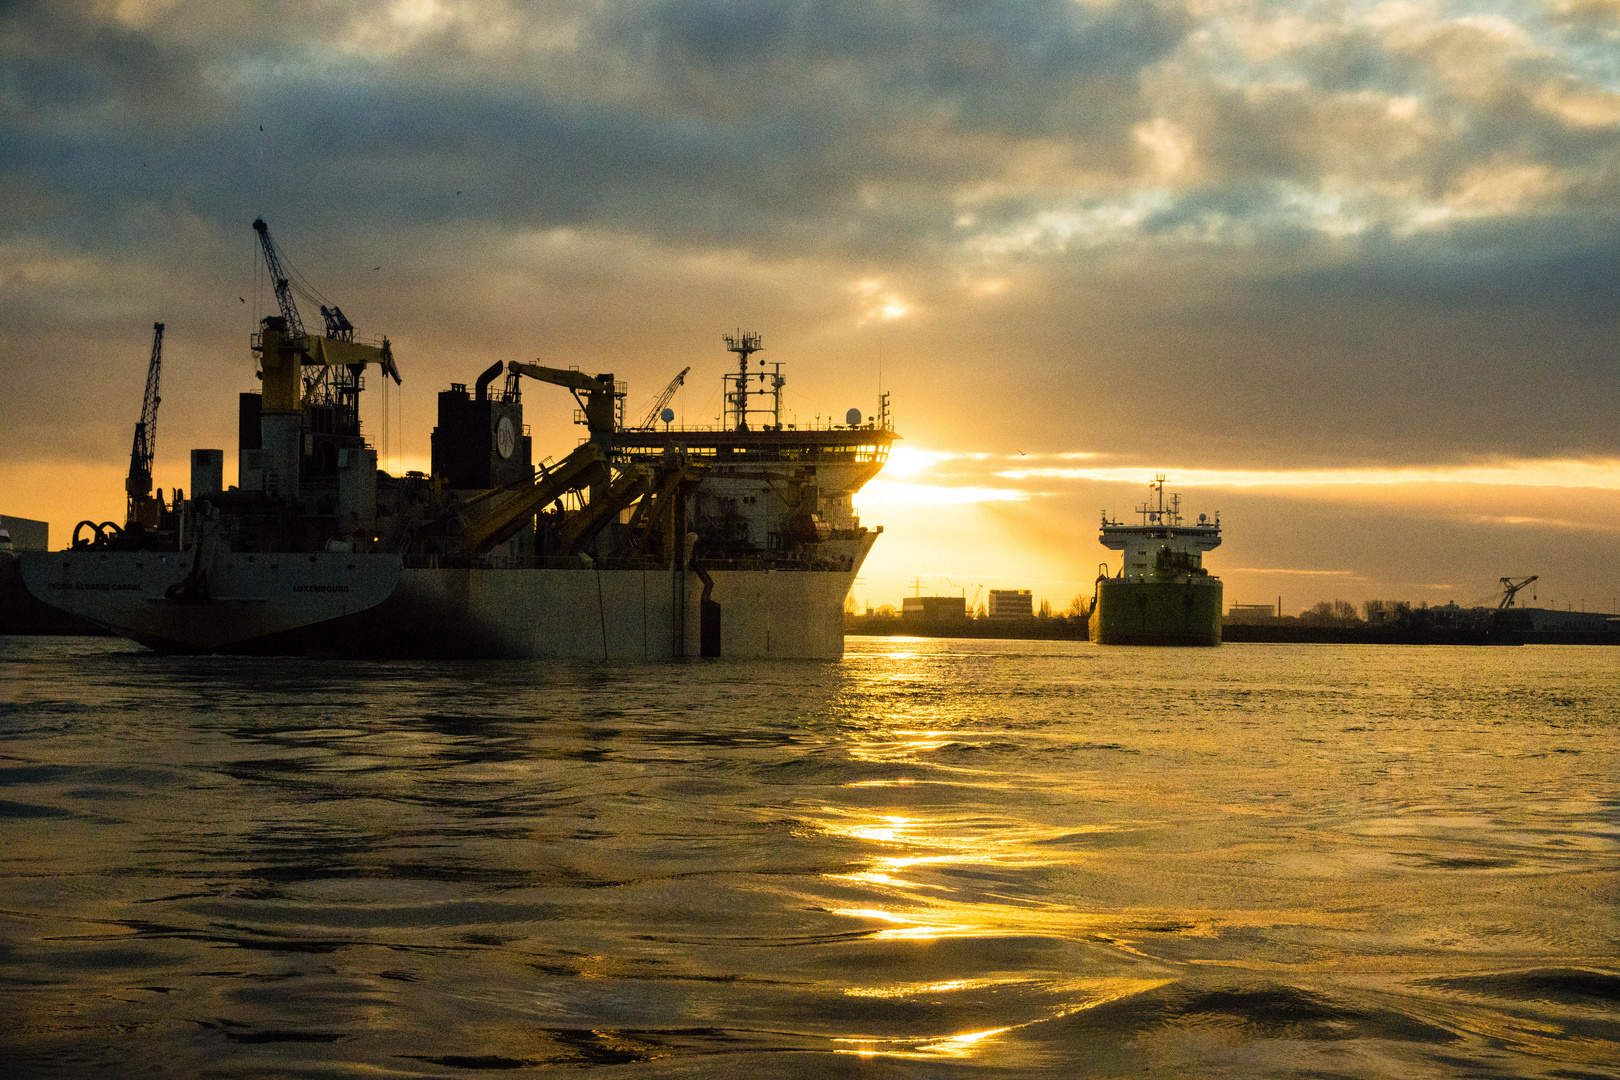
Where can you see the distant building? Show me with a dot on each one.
(1250, 614)
(933, 608)
(1568, 622)
(27, 535)
(1011, 604)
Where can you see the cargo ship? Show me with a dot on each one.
(1162, 595)
(647, 542)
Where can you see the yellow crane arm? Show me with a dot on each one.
(658, 509)
(595, 395)
(283, 358)
(573, 380)
(578, 528)
(501, 516)
(331, 352)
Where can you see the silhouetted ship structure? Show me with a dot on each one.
(1162, 594)
(646, 542)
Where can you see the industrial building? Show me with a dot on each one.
(27, 534)
(933, 608)
(1252, 614)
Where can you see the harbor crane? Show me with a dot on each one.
(598, 397)
(1510, 589)
(278, 279)
(338, 326)
(143, 509)
(341, 363)
(663, 400)
(328, 367)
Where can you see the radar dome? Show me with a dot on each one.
(853, 417)
(667, 415)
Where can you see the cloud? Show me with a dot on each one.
(881, 494)
(1604, 474)
(1262, 239)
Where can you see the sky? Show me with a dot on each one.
(1347, 273)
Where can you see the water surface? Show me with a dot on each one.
(934, 858)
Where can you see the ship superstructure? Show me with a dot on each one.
(1161, 595)
(738, 540)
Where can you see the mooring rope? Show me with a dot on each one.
(601, 612)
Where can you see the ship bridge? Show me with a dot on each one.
(1161, 544)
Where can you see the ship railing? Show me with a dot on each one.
(428, 561)
(779, 562)
(827, 425)
(859, 454)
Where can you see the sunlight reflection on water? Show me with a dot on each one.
(950, 856)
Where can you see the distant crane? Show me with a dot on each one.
(1510, 589)
(143, 509)
(663, 400)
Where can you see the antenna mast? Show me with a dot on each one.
(737, 391)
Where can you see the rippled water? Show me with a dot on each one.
(935, 858)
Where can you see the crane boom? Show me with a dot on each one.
(597, 396)
(138, 484)
(338, 326)
(663, 399)
(278, 278)
(1510, 589)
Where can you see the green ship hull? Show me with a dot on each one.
(1185, 612)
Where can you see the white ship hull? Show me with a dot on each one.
(373, 606)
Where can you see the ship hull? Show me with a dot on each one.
(587, 614)
(136, 594)
(375, 606)
(1135, 612)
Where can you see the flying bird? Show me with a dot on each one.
(376, 268)
(242, 298)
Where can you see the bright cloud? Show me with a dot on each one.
(1603, 474)
(885, 493)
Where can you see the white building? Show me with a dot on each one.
(1011, 604)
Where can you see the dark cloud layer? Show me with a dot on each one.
(1242, 232)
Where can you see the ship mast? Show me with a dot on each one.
(737, 391)
(1157, 514)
